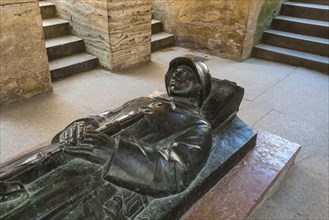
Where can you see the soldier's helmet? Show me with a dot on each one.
(200, 70)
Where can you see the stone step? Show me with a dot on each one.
(161, 40)
(60, 47)
(70, 65)
(303, 26)
(319, 2)
(55, 27)
(302, 10)
(315, 45)
(156, 26)
(292, 57)
(48, 9)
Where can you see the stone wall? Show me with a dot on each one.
(24, 70)
(222, 27)
(269, 9)
(117, 32)
(251, 27)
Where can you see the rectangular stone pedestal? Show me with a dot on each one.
(247, 184)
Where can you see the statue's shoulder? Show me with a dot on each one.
(222, 103)
(143, 99)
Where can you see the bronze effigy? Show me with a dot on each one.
(149, 159)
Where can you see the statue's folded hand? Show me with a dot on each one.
(74, 133)
(78, 141)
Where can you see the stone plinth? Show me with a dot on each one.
(23, 59)
(247, 184)
(130, 33)
(117, 32)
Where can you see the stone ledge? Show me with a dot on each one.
(244, 188)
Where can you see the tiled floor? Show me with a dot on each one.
(287, 101)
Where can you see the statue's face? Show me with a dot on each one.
(183, 81)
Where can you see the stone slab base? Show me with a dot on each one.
(244, 188)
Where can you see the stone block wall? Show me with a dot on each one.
(117, 32)
(222, 27)
(24, 70)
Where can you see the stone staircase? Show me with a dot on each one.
(298, 36)
(159, 39)
(66, 53)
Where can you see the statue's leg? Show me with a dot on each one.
(23, 170)
(12, 196)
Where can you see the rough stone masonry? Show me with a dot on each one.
(24, 68)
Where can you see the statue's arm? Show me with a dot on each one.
(94, 121)
(162, 171)
(91, 123)
(108, 114)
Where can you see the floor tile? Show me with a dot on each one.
(310, 136)
(269, 210)
(303, 195)
(255, 76)
(253, 112)
(303, 94)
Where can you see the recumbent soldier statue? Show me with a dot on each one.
(150, 147)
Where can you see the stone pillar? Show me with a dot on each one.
(24, 70)
(130, 32)
(88, 20)
(117, 32)
(251, 26)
